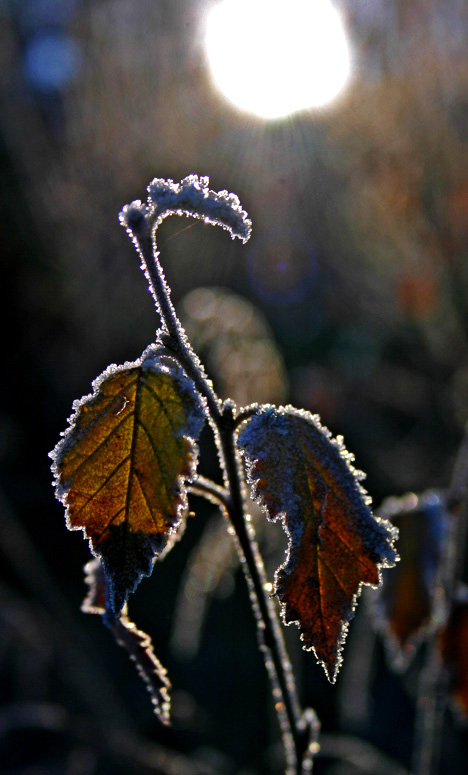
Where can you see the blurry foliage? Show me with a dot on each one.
(235, 342)
(371, 203)
(453, 651)
(411, 604)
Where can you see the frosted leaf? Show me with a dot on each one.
(122, 465)
(140, 648)
(191, 197)
(303, 477)
(137, 643)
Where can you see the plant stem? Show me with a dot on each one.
(297, 728)
(269, 631)
(210, 491)
(173, 336)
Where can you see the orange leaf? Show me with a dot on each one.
(121, 465)
(305, 479)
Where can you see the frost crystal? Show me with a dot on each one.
(191, 197)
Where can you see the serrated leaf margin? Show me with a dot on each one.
(294, 540)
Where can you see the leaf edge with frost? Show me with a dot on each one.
(387, 531)
(153, 358)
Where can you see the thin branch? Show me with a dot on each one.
(173, 336)
(297, 728)
(269, 630)
(211, 491)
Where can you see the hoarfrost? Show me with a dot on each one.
(191, 197)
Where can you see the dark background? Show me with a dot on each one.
(354, 305)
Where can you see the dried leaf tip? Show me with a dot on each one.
(140, 648)
(137, 643)
(191, 197)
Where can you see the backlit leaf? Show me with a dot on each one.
(305, 479)
(121, 465)
(406, 608)
(191, 197)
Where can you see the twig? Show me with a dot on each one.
(296, 727)
(211, 491)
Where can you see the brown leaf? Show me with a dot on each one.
(305, 479)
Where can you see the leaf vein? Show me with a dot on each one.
(102, 485)
(112, 519)
(348, 547)
(100, 395)
(132, 447)
(145, 497)
(87, 456)
(157, 458)
(161, 404)
(334, 575)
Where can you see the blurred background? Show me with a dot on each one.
(350, 300)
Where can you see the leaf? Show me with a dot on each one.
(140, 648)
(121, 465)
(305, 479)
(407, 607)
(137, 643)
(191, 197)
(232, 337)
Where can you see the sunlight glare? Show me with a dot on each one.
(276, 57)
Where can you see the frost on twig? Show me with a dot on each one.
(191, 197)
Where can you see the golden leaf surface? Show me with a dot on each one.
(121, 466)
(305, 479)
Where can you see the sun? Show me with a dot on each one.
(276, 57)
